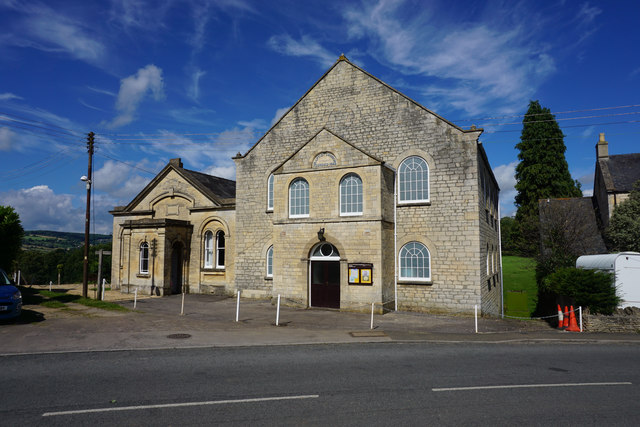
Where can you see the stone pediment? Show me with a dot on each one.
(326, 150)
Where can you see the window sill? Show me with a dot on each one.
(212, 270)
(415, 282)
(268, 277)
(143, 275)
(351, 214)
(423, 203)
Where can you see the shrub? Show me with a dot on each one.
(588, 288)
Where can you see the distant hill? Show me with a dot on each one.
(43, 240)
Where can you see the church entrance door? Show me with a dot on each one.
(325, 276)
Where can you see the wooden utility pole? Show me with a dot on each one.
(87, 179)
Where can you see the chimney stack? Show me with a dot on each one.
(602, 148)
(176, 162)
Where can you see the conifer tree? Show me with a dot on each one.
(624, 226)
(542, 173)
(11, 233)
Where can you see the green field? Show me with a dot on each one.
(520, 288)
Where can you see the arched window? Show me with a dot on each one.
(299, 198)
(220, 249)
(351, 195)
(270, 193)
(415, 262)
(413, 180)
(208, 249)
(270, 261)
(144, 258)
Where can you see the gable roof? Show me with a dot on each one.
(220, 191)
(620, 172)
(344, 59)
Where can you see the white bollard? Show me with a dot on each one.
(18, 278)
(135, 298)
(104, 282)
(50, 283)
(476, 316)
(580, 314)
(238, 306)
(278, 311)
(182, 308)
(372, 305)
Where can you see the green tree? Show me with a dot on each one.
(624, 226)
(11, 233)
(507, 234)
(542, 173)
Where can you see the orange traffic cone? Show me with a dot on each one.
(565, 320)
(573, 325)
(560, 318)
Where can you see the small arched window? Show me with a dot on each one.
(415, 262)
(270, 261)
(351, 195)
(299, 198)
(270, 193)
(413, 180)
(208, 249)
(220, 249)
(144, 258)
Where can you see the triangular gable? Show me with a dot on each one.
(142, 198)
(326, 150)
(342, 58)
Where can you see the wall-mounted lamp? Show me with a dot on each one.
(321, 235)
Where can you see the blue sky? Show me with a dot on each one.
(204, 80)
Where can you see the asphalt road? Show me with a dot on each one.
(347, 384)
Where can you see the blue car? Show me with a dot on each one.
(10, 298)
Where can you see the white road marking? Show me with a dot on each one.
(178, 405)
(493, 387)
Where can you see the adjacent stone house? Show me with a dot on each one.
(613, 180)
(357, 195)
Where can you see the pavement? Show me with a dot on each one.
(210, 321)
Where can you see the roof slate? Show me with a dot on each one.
(220, 187)
(624, 171)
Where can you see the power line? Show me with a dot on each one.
(125, 163)
(566, 118)
(46, 124)
(538, 114)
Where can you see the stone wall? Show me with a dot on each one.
(625, 320)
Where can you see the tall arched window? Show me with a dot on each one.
(144, 258)
(270, 193)
(208, 249)
(415, 262)
(220, 249)
(299, 198)
(270, 261)
(413, 180)
(351, 195)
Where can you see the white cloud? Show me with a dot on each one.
(41, 209)
(194, 90)
(474, 63)
(119, 181)
(308, 47)
(228, 172)
(8, 96)
(7, 139)
(42, 27)
(133, 89)
(506, 177)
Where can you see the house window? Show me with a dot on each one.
(270, 261)
(351, 195)
(208, 249)
(144, 258)
(270, 193)
(415, 262)
(220, 249)
(413, 180)
(299, 198)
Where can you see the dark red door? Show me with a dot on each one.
(325, 284)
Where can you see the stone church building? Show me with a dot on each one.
(357, 195)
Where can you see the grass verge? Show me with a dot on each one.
(520, 288)
(60, 299)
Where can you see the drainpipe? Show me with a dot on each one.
(500, 255)
(395, 240)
